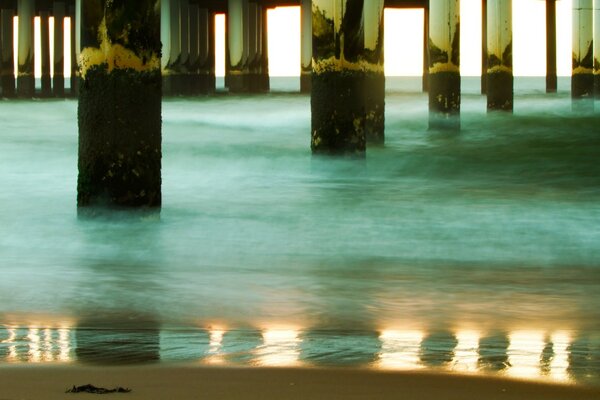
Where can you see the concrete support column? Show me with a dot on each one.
(184, 20)
(7, 69)
(194, 49)
(119, 104)
(340, 68)
(375, 78)
(444, 64)
(264, 50)
(306, 46)
(425, 80)
(253, 57)
(45, 56)
(582, 80)
(597, 49)
(235, 38)
(206, 51)
(75, 15)
(172, 68)
(25, 72)
(551, 79)
(499, 56)
(484, 47)
(58, 80)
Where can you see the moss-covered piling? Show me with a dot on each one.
(582, 79)
(347, 96)
(444, 65)
(499, 56)
(119, 110)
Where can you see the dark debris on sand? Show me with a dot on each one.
(96, 390)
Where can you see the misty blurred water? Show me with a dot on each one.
(476, 251)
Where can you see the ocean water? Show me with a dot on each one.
(471, 253)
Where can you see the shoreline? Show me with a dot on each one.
(228, 383)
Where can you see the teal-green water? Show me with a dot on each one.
(476, 252)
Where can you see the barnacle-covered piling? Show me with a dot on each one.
(444, 64)
(120, 104)
(582, 79)
(499, 55)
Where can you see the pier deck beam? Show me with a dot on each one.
(7, 69)
(582, 80)
(499, 65)
(25, 72)
(597, 49)
(551, 78)
(374, 80)
(306, 46)
(341, 68)
(119, 110)
(444, 64)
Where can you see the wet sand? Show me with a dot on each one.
(194, 382)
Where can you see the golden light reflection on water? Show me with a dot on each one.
(214, 347)
(34, 354)
(559, 364)
(400, 350)
(281, 348)
(525, 354)
(64, 345)
(12, 355)
(466, 353)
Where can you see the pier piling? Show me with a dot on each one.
(597, 49)
(444, 64)
(306, 46)
(25, 69)
(58, 80)
(7, 69)
(551, 78)
(340, 70)
(119, 110)
(45, 56)
(499, 55)
(375, 76)
(582, 80)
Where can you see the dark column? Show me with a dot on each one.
(551, 80)
(253, 57)
(120, 104)
(45, 39)
(500, 68)
(194, 49)
(582, 80)
(306, 46)
(184, 18)
(172, 68)
(73, 55)
(264, 51)
(209, 65)
(426, 49)
(484, 47)
(25, 72)
(7, 69)
(444, 64)
(375, 77)
(236, 35)
(340, 68)
(597, 49)
(58, 80)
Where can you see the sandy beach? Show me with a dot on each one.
(193, 382)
